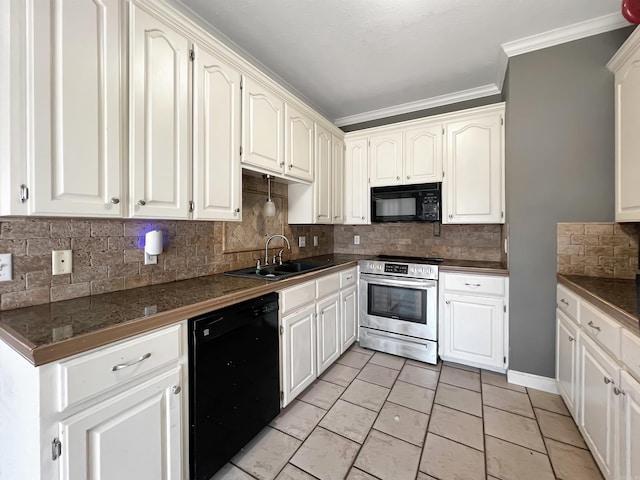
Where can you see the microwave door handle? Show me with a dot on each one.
(398, 281)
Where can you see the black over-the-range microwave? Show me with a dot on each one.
(407, 203)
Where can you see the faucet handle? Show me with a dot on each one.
(257, 263)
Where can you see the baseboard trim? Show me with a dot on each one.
(538, 382)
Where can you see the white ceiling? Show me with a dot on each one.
(357, 60)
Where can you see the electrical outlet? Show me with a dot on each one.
(61, 262)
(356, 239)
(315, 240)
(302, 241)
(6, 267)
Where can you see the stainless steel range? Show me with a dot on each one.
(399, 306)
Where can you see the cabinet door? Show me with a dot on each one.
(77, 101)
(322, 184)
(337, 184)
(566, 361)
(385, 159)
(473, 330)
(627, 171)
(159, 104)
(133, 436)
(298, 353)
(598, 405)
(348, 317)
(328, 334)
(629, 428)
(474, 170)
(423, 154)
(356, 184)
(262, 128)
(299, 144)
(216, 139)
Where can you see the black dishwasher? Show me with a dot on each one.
(234, 383)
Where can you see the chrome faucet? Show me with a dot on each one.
(266, 247)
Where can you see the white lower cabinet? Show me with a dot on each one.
(567, 361)
(318, 322)
(629, 468)
(597, 374)
(113, 413)
(328, 324)
(298, 350)
(473, 320)
(349, 314)
(598, 404)
(134, 435)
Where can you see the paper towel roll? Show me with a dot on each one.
(153, 242)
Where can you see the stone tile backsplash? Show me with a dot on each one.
(108, 255)
(598, 249)
(463, 242)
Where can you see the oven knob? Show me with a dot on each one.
(420, 271)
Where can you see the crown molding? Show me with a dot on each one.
(424, 104)
(569, 33)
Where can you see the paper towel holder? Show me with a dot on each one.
(152, 247)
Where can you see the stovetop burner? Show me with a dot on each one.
(403, 258)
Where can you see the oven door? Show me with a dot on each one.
(407, 306)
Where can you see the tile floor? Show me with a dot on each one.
(377, 416)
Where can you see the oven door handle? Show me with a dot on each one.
(398, 281)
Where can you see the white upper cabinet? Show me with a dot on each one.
(337, 182)
(626, 66)
(322, 184)
(473, 186)
(385, 159)
(423, 154)
(262, 127)
(299, 146)
(356, 185)
(217, 180)
(159, 106)
(75, 168)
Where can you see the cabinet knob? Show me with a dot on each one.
(450, 215)
(448, 302)
(571, 339)
(408, 177)
(608, 380)
(238, 210)
(176, 389)
(617, 391)
(142, 203)
(115, 200)
(290, 166)
(336, 216)
(398, 178)
(318, 216)
(282, 164)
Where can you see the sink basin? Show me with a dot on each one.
(278, 272)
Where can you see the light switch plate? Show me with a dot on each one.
(356, 239)
(315, 240)
(6, 267)
(61, 262)
(302, 241)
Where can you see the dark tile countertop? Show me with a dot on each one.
(617, 298)
(53, 331)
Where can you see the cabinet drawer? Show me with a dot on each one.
(295, 297)
(631, 352)
(601, 328)
(478, 284)
(348, 278)
(96, 372)
(567, 302)
(327, 285)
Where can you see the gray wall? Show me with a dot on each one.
(559, 168)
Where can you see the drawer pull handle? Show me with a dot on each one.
(349, 277)
(617, 391)
(562, 300)
(607, 380)
(120, 366)
(571, 339)
(594, 326)
(473, 284)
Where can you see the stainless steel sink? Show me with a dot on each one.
(279, 272)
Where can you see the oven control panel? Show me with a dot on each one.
(409, 270)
